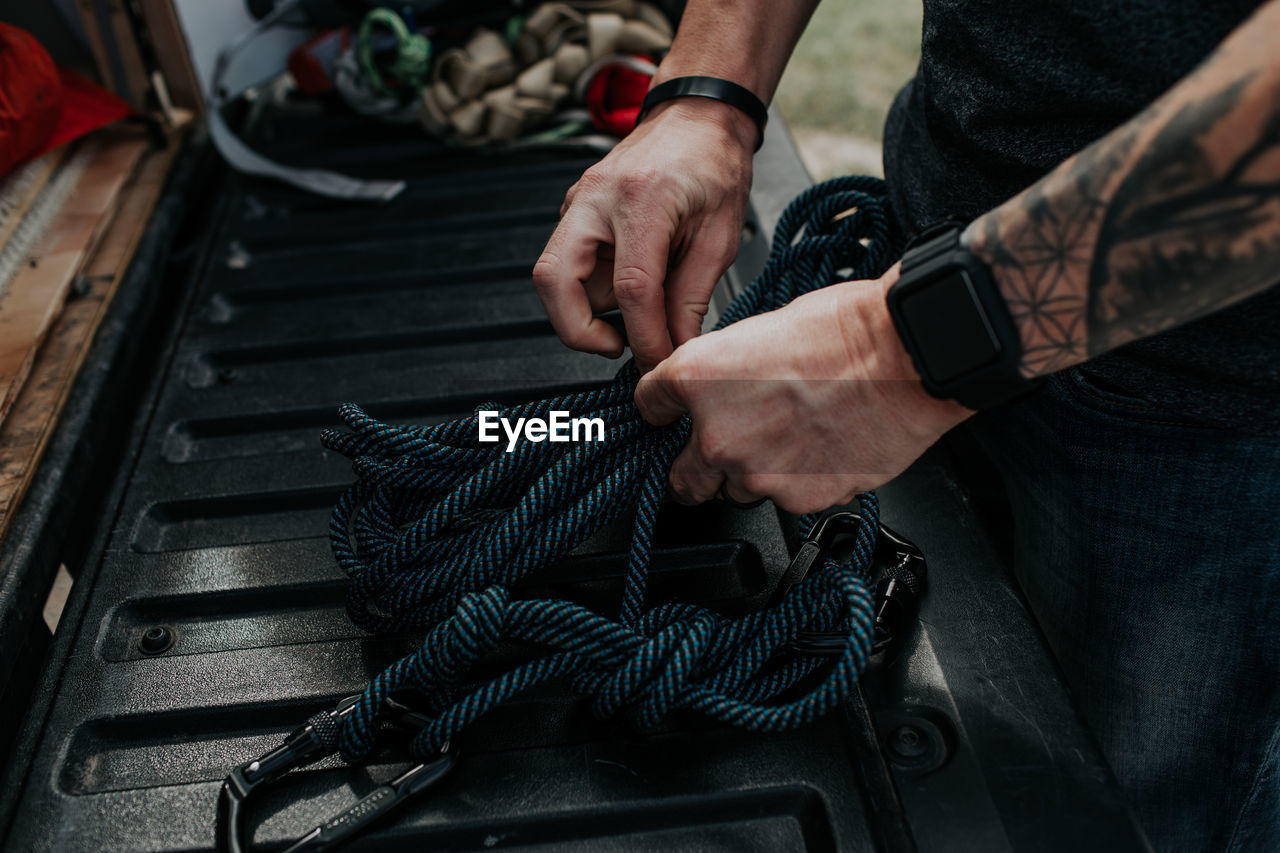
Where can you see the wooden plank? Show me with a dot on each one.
(115, 50)
(35, 296)
(26, 431)
(139, 79)
(173, 54)
(92, 28)
(43, 169)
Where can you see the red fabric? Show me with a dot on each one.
(86, 106)
(311, 64)
(30, 96)
(613, 98)
(43, 106)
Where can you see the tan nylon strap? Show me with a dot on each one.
(489, 92)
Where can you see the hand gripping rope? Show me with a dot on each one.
(439, 527)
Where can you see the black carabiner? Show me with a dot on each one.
(898, 590)
(813, 548)
(307, 745)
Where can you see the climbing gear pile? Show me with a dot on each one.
(410, 53)
(550, 79)
(244, 159)
(380, 72)
(496, 89)
(615, 89)
(440, 530)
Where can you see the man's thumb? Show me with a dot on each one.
(657, 396)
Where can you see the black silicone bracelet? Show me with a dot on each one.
(715, 89)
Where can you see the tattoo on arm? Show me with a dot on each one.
(1174, 215)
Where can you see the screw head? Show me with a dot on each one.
(908, 742)
(915, 739)
(156, 640)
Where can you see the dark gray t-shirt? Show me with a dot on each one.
(1008, 89)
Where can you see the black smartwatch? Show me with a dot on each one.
(955, 324)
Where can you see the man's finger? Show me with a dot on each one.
(692, 482)
(690, 282)
(734, 491)
(658, 398)
(600, 283)
(561, 276)
(639, 267)
(568, 199)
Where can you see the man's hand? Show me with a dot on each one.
(649, 230)
(651, 227)
(808, 405)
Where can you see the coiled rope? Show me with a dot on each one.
(438, 527)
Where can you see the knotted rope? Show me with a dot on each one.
(438, 527)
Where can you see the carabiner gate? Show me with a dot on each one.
(307, 745)
(898, 591)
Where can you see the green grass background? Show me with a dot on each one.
(851, 61)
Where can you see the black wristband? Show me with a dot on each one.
(715, 89)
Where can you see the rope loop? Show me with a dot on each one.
(439, 528)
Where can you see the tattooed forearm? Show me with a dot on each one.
(1174, 215)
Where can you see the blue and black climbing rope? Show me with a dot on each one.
(439, 527)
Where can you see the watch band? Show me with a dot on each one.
(709, 87)
(955, 323)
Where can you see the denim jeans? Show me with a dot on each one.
(1148, 548)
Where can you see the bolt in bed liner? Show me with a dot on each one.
(190, 497)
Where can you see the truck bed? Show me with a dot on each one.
(187, 490)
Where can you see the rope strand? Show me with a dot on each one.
(439, 527)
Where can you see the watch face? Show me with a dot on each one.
(949, 326)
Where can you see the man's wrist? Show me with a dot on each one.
(956, 323)
(717, 89)
(735, 125)
(874, 351)
(749, 75)
(898, 361)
